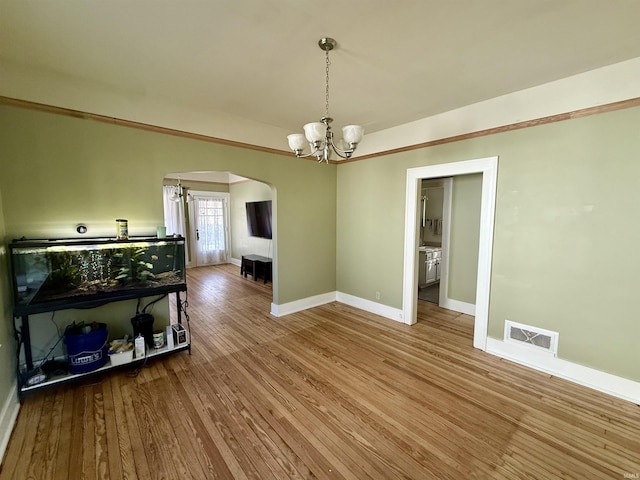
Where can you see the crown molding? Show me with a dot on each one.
(584, 112)
(28, 105)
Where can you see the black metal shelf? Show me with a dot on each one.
(46, 278)
(70, 377)
(96, 299)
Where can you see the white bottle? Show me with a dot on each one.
(169, 337)
(139, 346)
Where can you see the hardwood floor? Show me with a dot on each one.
(329, 393)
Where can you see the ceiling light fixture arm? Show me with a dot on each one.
(329, 141)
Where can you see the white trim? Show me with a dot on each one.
(302, 304)
(485, 251)
(235, 261)
(585, 376)
(317, 300)
(458, 306)
(8, 418)
(489, 169)
(447, 202)
(371, 307)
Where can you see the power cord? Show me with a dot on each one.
(37, 375)
(136, 372)
(184, 304)
(144, 309)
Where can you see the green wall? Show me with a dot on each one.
(60, 170)
(563, 190)
(370, 229)
(465, 235)
(241, 242)
(565, 231)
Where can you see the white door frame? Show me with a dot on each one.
(443, 290)
(489, 169)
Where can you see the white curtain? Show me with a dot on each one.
(174, 218)
(212, 230)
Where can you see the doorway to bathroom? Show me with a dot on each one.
(432, 223)
(487, 167)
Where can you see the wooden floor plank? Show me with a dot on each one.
(55, 431)
(90, 437)
(112, 451)
(22, 440)
(328, 393)
(63, 454)
(75, 445)
(39, 454)
(142, 453)
(124, 451)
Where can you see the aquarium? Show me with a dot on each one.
(56, 274)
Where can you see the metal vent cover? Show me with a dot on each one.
(529, 336)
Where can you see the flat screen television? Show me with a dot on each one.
(259, 219)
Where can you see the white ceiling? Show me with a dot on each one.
(396, 61)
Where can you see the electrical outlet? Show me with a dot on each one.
(377, 295)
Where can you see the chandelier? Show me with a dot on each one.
(319, 134)
(176, 196)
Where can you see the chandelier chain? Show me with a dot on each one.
(326, 109)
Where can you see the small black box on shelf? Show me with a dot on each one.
(179, 334)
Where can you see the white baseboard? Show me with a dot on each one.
(371, 307)
(236, 261)
(302, 304)
(357, 302)
(586, 376)
(8, 417)
(458, 306)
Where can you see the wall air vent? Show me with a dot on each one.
(532, 337)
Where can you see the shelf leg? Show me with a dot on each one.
(179, 307)
(26, 339)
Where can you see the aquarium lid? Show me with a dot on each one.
(52, 242)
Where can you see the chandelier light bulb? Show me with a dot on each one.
(297, 141)
(352, 134)
(315, 131)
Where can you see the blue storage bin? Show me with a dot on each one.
(87, 351)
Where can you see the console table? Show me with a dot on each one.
(257, 266)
